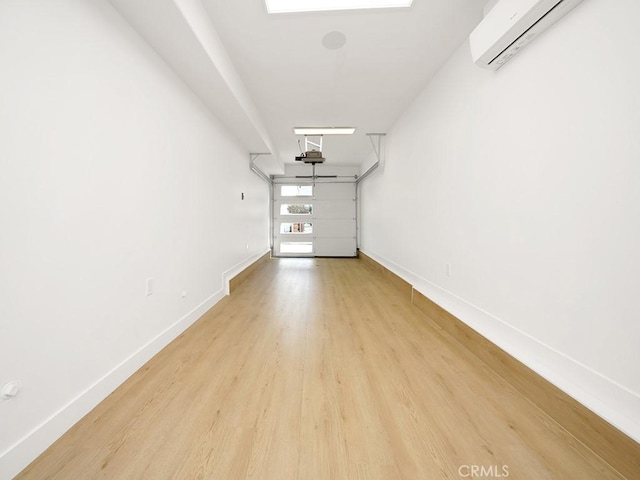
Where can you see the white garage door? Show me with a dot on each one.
(315, 220)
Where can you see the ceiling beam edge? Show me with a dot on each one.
(197, 18)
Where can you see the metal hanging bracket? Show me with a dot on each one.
(255, 169)
(377, 150)
(376, 145)
(311, 145)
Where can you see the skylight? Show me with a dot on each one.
(288, 6)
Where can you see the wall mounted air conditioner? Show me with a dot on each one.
(512, 24)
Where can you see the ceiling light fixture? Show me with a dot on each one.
(323, 130)
(289, 6)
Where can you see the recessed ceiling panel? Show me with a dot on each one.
(324, 130)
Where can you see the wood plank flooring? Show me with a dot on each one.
(316, 369)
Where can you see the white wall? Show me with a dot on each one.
(527, 182)
(111, 171)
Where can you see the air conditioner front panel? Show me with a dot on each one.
(510, 25)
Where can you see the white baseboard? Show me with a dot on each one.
(603, 396)
(239, 267)
(25, 450)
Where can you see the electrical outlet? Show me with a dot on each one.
(448, 269)
(149, 284)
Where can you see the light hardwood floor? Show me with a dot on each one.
(316, 369)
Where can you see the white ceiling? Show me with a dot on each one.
(264, 74)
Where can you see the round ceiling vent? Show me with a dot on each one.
(334, 40)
